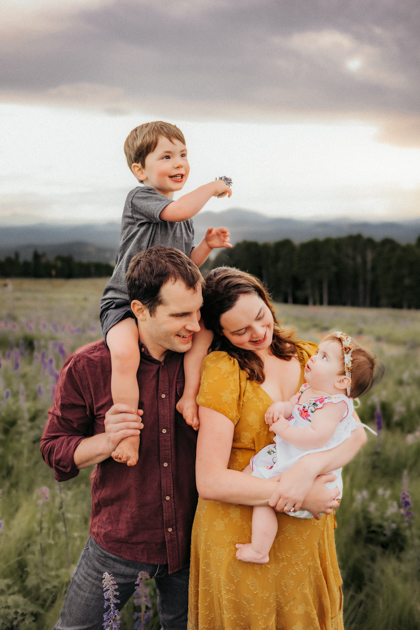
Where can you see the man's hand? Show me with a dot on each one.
(121, 421)
(217, 237)
(221, 189)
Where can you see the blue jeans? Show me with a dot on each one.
(84, 605)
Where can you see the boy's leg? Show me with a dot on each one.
(192, 366)
(264, 530)
(173, 598)
(84, 604)
(123, 343)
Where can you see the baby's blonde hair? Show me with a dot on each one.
(362, 368)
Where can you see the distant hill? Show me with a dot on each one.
(100, 242)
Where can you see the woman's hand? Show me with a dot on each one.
(298, 488)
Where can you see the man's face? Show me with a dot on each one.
(174, 321)
(166, 169)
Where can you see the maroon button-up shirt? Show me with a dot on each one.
(143, 512)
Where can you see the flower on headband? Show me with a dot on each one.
(347, 350)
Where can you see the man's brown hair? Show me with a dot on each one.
(144, 139)
(363, 366)
(151, 269)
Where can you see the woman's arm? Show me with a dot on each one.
(214, 480)
(296, 482)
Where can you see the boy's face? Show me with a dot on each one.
(166, 169)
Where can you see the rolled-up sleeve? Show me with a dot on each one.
(69, 421)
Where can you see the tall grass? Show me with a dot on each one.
(42, 321)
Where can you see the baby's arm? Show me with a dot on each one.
(190, 204)
(325, 422)
(277, 409)
(192, 368)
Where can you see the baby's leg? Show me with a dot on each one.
(264, 530)
(192, 366)
(123, 343)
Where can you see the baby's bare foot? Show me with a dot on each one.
(127, 451)
(188, 408)
(247, 554)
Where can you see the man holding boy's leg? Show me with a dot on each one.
(142, 515)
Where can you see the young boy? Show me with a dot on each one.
(157, 155)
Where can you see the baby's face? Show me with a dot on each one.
(326, 367)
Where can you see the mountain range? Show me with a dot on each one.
(99, 242)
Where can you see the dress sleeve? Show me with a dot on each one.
(222, 385)
(305, 350)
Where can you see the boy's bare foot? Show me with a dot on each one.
(188, 408)
(127, 451)
(247, 554)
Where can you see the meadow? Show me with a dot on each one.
(43, 524)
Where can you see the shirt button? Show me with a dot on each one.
(165, 464)
(169, 529)
(167, 498)
(163, 430)
(162, 395)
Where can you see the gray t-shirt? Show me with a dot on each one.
(141, 229)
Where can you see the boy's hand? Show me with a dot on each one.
(273, 413)
(217, 237)
(221, 189)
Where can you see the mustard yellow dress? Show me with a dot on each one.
(300, 587)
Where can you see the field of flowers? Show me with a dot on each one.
(43, 524)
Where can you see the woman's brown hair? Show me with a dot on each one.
(222, 290)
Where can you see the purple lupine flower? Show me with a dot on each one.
(53, 345)
(142, 599)
(405, 500)
(62, 351)
(112, 615)
(378, 419)
(21, 348)
(36, 357)
(40, 390)
(51, 370)
(44, 325)
(6, 397)
(6, 323)
(1, 527)
(28, 326)
(54, 327)
(44, 495)
(17, 362)
(8, 354)
(77, 330)
(63, 328)
(14, 326)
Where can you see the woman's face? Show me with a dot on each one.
(249, 324)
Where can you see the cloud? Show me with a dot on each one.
(253, 59)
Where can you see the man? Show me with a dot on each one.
(141, 515)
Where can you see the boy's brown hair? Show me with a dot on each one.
(363, 367)
(152, 268)
(143, 140)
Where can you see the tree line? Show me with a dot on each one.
(345, 271)
(40, 266)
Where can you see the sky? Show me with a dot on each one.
(312, 107)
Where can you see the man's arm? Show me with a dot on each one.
(190, 204)
(120, 422)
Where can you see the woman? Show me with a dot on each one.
(255, 362)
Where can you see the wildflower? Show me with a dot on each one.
(6, 397)
(111, 616)
(17, 362)
(40, 391)
(405, 500)
(44, 493)
(141, 599)
(378, 419)
(22, 395)
(1, 527)
(21, 348)
(62, 351)
(54, 327)
(0, 361)
(8, 354)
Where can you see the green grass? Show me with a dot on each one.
(40, 544)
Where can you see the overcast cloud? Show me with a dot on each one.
(253, 59)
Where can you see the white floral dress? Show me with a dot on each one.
(276, 458)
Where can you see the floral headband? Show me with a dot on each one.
(347, 350)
